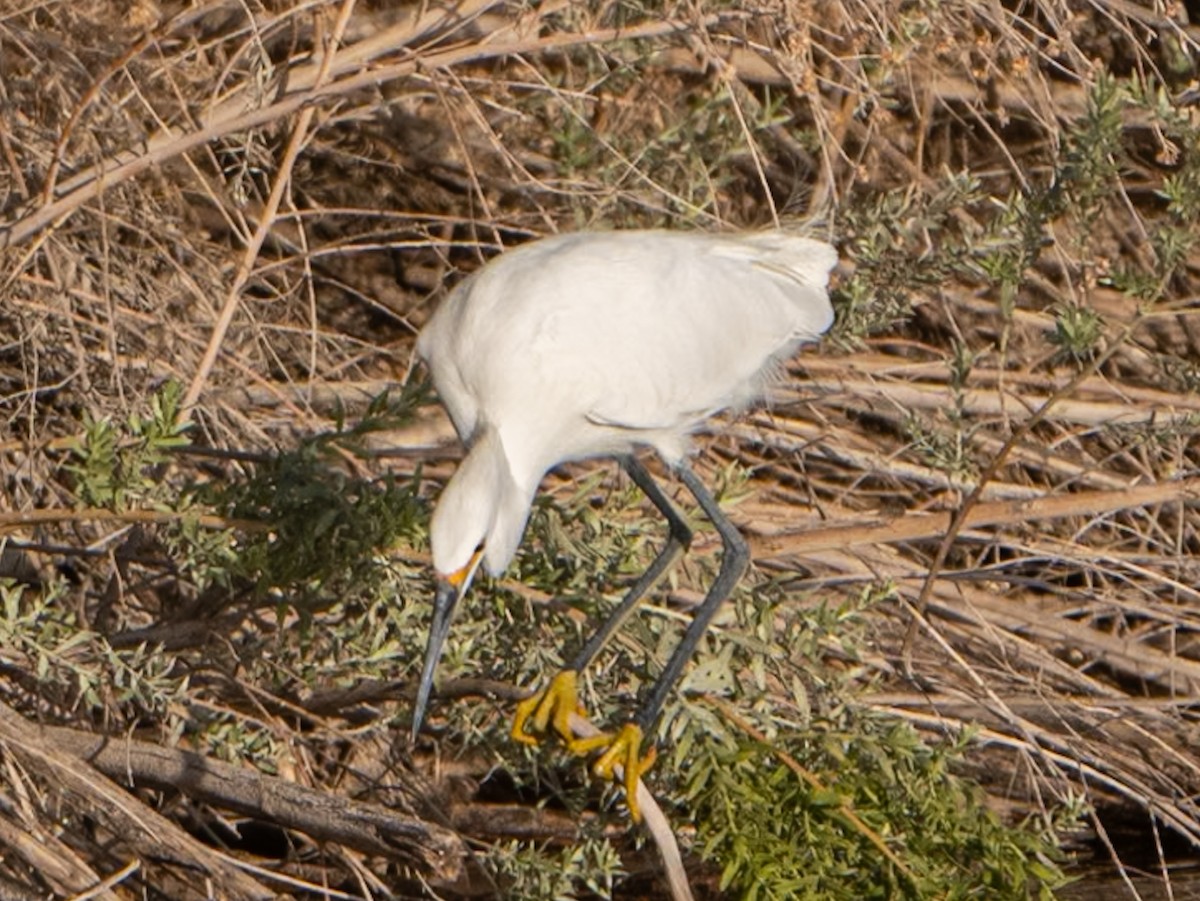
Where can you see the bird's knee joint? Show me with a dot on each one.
(683, 534)
(737, 556)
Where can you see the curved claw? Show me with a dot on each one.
(553, 705)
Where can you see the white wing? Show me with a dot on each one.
(641, 331)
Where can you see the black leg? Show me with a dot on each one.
(678, 539)
(558, 701)
(734, 560)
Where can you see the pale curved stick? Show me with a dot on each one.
(655, 820)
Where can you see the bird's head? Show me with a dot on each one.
(479, 519)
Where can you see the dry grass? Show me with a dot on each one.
(261, 202)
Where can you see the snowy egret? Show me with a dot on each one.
(595, 344)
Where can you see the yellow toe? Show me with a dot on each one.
(553, 705)
(625, 750)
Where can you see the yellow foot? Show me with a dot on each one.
(621, 750)
(554, 704)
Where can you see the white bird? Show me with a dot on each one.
(595, 344)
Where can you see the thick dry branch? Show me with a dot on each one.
(94, 795)
(369, 828)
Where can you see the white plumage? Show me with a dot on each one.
(589, 344)
(593, 344)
